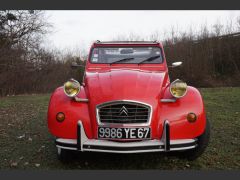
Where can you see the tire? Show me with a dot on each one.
(202, 143)
(62, 154)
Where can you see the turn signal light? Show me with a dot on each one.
(60, 117)
(191, 117)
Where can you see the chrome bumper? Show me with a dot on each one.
(96, 145)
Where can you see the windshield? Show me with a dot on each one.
(126, 55)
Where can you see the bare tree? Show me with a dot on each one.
(20, 35)
(217, 28)
(238, 23)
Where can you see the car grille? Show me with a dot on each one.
(123, 113)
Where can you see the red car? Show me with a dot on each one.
(127, 104)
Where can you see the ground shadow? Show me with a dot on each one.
(98, 160)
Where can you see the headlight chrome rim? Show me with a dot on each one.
(174, 83)
(77, 86)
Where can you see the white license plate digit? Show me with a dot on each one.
(140, 133)
(101, 132)
(113, 133)
(107, 132)
(119, 133)
(146, 132)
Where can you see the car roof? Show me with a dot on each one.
(126, 42)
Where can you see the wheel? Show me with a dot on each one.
(62, 154)
(202, 143)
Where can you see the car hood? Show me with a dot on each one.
(124, 84)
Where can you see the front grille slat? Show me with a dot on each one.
(118, 112)
(123, 113)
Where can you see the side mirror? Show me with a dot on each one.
(176, 64)
(74, 65)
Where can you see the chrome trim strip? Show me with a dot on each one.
(183, 148)
(81, 99)
(119, 102)
(166, 135)
(139, 151)
(79, 143)
(68, 141)
(183, 141)
(124, 152)
(64, 147)
(126, 42)
(136, 151)
(120, 144)
(131, 151)
(83, 137)
(168, 100)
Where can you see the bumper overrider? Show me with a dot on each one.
(82, 143)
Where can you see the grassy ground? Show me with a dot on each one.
(25, 142)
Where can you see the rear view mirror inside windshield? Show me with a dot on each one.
(126, 51)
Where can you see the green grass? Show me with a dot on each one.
(26, 116)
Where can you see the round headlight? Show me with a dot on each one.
(178, 88)
(72, 88)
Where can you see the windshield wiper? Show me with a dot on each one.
(125, 59)
(149, 59)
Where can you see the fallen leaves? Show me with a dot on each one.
(21, 137)
(14, 164)
(41, 149)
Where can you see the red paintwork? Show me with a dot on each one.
(146, 83)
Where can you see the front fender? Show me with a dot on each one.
(73, 111)
(176, 113)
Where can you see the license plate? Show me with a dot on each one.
(124, 133)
